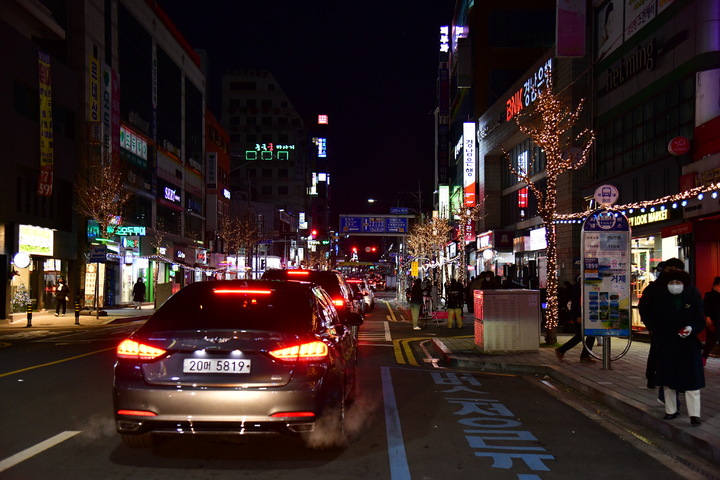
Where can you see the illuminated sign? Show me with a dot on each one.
(537, 239)
(649, 217)
(128, 230)
(35, 240)
(322, 119)
(523, 198)
(132, 143)
(169, 192)
(522, 164)
(226, 193)
(445, 39)
(211, 178)
(528, 93)
(322, 147)
(469, 163)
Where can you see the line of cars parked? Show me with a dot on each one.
(232, 357)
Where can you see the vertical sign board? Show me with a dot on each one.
(606, 274)
(469, 159)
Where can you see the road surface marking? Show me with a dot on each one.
(55, 362)
(399, 469)
(35, 449)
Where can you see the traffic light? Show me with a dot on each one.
(313, 234)
(354, 249)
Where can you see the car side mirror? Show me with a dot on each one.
(354, 319)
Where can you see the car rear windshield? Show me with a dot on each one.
(328, 281)
(235, 308)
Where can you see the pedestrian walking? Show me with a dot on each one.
(677, 317)
(455, 304)
(416, 301)
(138, 293)
(576, 315)
(645, 303)
(711, 303)
(62, 292)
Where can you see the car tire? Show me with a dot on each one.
(144, 440)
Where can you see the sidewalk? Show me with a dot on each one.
(47, 319)
(622, 388)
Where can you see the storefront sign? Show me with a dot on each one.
(649, 217)
(35, 240)
(211, 172)
(642, 59)
(537, 239)
(133, 143)
(681, 229)
(606, 274)
(45, 179)
(469, 163)
(678, 146)
(528, 93)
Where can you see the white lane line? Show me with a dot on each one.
(35, 449)
(388, 337)
(399, 468)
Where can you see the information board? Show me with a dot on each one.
(606, 274)
(374, 225)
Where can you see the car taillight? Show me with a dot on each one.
(299, 273)
(137, 413)
(305, 352)
(138, 351)
(339, 302)
(243, 291)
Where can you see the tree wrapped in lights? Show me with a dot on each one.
(426, 238)
(101, 196)
(237, 234)
(550, 125)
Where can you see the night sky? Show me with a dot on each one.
(371, 66)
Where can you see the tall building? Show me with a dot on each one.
(269, 166)
(94, 84)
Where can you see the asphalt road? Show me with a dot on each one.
(409, 422)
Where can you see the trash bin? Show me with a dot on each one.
(507, 320)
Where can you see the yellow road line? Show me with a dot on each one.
(403, 352)
(398, 352)
(392, 313)
(55, 362)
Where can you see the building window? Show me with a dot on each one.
(282, 190)
(267, 173)
(266, 190)
(266, 103)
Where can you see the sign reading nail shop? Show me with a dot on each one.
(169, 192)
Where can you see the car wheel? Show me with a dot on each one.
(144, 440)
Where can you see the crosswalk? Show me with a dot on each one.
(371, 332)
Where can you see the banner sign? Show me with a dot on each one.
(374, 225)
(606, 274)
(45, 181)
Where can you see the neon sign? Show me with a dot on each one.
(322, 147)
(445, 39)
(469, 163)
(528, 93)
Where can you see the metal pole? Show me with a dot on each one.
(77, 312)
(606, 353)
(29, 315)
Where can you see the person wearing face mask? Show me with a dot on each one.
(677, 318)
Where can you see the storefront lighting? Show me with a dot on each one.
(652, 209)
(642, 210)
(674, 205)
(700, 197)
(683, 203)
(714, 195)
(631, 210)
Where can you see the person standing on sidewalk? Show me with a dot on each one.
(711, 303)
(677, 318)
(416, 301)
(455, 304)
(138, 293)
(647, 299)
(576, 314)
(61, 297)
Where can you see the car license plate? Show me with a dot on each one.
(216, 365)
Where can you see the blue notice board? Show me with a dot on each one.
(374, 225)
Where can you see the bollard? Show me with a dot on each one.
(29, 315)
(77, 312)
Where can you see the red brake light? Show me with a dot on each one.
(353, 280)
(138, 351)
(137, 413)
(339, 302)
(306, 352)
(242, 291)
(298, 272)
(293, 414)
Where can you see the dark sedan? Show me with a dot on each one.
(236, 357)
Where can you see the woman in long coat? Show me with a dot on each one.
(676, 319)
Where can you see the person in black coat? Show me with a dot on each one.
(138, 293)
(676, 318)
(416, 301)
(576, 315)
